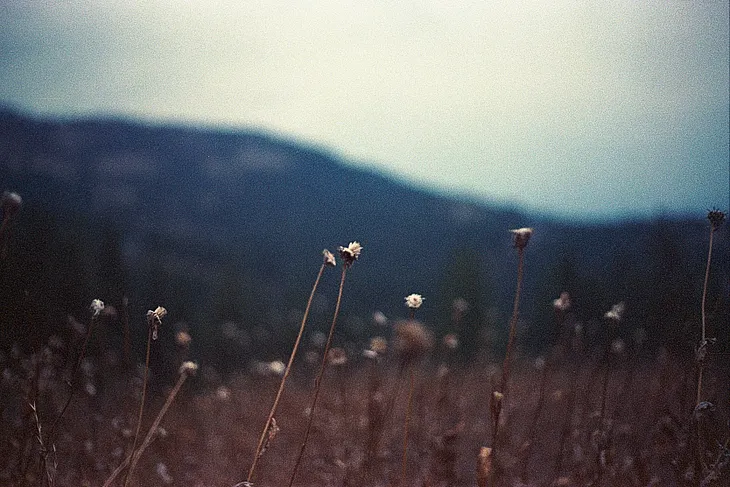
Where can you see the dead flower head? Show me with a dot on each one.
(350, 253)
(521, 237)
(154, 319)
(329, 259)
(414, 301)
(412, 340)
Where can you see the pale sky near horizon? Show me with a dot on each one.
(576, 109)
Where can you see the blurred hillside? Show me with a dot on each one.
(223, 226)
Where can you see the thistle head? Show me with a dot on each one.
(188, 367)
(350, 253)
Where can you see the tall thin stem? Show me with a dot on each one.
(320, 375)
(404, 462)
(701, 354)
(262, 439)
(72, 380)
(141, 403)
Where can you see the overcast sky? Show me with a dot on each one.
(589, 109)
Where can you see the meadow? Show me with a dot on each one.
(596, 407)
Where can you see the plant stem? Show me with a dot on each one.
(703, 342)
(404, 463)
(320, 375)
(144, 395)
(284, 377)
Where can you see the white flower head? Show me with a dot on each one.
(562, 303)
(414, 301)
(350, 253)
(276, 367)
(188, 367)
(97, 306)
(521, 237)
(616, 312)
(329, 259)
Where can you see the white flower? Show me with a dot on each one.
(414, 301)
(188, 367)
(276, 367)
(616, 312)
(11, 203)
(154, 319)
(97, 306)
(521, 237)
(563, 302)
(350, 253)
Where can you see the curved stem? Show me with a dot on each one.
(284, 377)
(318, 381)
(404, 462)
(141, 404)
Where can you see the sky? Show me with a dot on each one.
(590, 110)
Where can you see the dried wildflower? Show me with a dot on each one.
(716, 218)
(380, 319)
(223, 393)
(370, 354)
(329, 259)
(616, 312)
(97, 306)
(451, 340)
(379, 345)
(337, 356)
(539, 363)
(154, 319)
(562, 303)
(412, 339)
(484, 466)
(350, 253)
(460, 305)
(414, 301)
(188, 367)
(521, 237)
(11, 203)
(183, 338)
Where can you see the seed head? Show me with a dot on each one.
(350, 253)
(329, 259)
(451, 340)
(183, 338)
(521, 237)
(276, 367)
(716, 218)
(97, 306)
(412, 340)
(414, 301)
